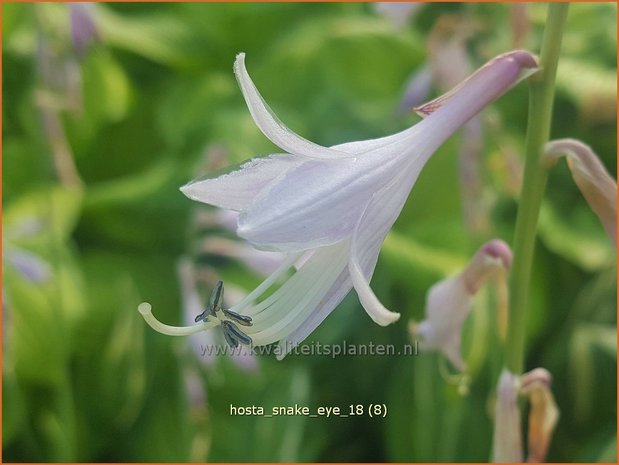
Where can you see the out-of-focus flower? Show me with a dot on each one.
(520, 23)
(59, 89)
(417, 89)
(591, 177)
(543, 413)
(507, 434)
(30, 266)
(447, 54)
(398, 13)
(543, 416)
(448, 63)
(332, 207)
(83, 27)
(260, 261)
(449, 301)
(208, 223)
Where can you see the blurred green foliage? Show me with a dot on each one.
(85, 380)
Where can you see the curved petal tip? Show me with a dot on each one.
(376, 310)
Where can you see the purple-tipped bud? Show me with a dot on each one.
(449, 301)
(487, 83)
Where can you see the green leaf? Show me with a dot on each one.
(14, 411)
(107, 91)
(38, 331)
(158, 37)
(187, 110)
(57, 210)
(405, 252)
(588, 248)
(592, 87)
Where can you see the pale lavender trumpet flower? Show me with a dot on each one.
(591, 177)
(398, 13)
(449, 301)
(331, 207)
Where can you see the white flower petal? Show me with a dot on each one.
(377, 311)
(238, 188)
(317, 203)
(271, 126)
(374, 224)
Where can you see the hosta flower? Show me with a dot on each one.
(330, 208)
(83, 28)
(449, 301)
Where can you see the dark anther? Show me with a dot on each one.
(243, 320)
(234, 335)
(214, 303)
(230, 338)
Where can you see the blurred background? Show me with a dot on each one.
(109, 108)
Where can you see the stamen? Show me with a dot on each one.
(268, 282)
(288, 311)
(214, 304)
(230, 339)
(204, 315)
(145, 310)
(243, 320)
(216, 298)
(236, 333)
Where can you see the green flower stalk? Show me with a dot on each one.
(534, 183)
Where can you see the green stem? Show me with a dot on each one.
(534, 183)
